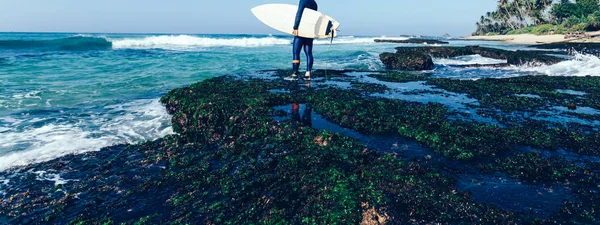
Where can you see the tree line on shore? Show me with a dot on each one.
(540, 17)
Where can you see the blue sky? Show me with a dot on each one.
(358, 17)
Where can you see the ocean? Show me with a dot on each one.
(64, 93)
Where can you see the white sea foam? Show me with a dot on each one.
(581, 65)
(3, 186)
(137, 121)
(187, 41)
(28, 95)
(10, 120)
(361, 62)
(184, 42)
(468, 60)
(141, 120)
(49, 142)
(83, 35)
(45, 176)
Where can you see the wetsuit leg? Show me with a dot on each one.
(308, 46)
(296, 53)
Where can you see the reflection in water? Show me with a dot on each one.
(306, 117)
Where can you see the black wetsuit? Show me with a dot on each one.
(301, 42)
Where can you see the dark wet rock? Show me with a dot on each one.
(413, 41)
(407, 61)
(519, 58)
(588, 48)
(513, 57)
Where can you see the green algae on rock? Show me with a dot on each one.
(399, 77)
(232, 163)
(407, 61)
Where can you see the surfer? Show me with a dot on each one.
(302, 42)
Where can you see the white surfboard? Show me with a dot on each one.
(282, 17)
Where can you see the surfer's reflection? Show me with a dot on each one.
(304, 117)
(301, 112)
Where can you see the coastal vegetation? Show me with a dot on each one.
(540, 17)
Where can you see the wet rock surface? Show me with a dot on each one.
(587, 48)
(519, 57)
(407, 61)
(345, 148)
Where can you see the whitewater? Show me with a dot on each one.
(64, 94)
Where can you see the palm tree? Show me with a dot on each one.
(502, 4)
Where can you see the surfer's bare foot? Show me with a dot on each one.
(292, 77)
(307, 76)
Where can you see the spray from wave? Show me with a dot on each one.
(581, 65)
(468, 60)
(137, 121)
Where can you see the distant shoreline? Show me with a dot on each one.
(538, 39)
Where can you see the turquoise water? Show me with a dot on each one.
(71, 93)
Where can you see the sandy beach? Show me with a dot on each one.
(537, 39)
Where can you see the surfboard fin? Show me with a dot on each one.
(330, 31)
(329, 26)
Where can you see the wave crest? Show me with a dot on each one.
(581, 65)
(183, 42)
(186, 41)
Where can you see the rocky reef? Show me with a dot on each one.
(587, 48)
(519, 57)
(407, 61)
(412, 41)
(254, 149)
(417, 58)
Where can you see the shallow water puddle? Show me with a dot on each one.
(528, 95)
(561, 115)
(511, 194)
(409, 150)
(571, 92)
(502, 191)
(580, 110)
(567, 156)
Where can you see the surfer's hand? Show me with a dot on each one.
(295, 32)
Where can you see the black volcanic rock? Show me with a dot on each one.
(513, 57)
(534, 59)
(412, 41)
(407, 61)
(588, 48)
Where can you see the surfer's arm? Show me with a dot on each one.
(301, 7)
